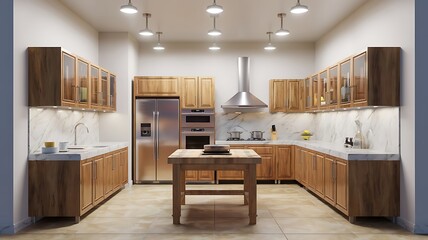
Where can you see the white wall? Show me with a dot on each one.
(292, 60)
(384, 23)
(6, 119)
(118, 53)
(39, 23)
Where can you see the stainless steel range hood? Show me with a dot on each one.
(244, 99)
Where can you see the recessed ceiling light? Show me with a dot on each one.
(128, 8)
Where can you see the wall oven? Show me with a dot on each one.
(197, 128)
(197, 118)
(196, 138)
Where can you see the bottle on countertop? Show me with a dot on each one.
(358, 138)
(273, 133)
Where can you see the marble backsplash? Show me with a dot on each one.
(58, 126)
(380, 126)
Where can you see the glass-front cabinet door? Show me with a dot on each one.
(104, 88)
(360, 79)
(315, 94)
(95, 86)
(345, 83)
(307, 93)
(68, 79)
(82, 83)
(112, 92)
(323, 89)
(332, 85)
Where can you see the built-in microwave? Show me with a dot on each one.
(197, 118)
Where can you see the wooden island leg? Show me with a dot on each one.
(176, 193)
(252, 192)
(183, 187)
(246, 188)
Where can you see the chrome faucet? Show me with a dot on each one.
(75, 132)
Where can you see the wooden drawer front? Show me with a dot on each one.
(262, 150)
(162, 86)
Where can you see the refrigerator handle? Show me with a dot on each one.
(155, 149)
(157, 133)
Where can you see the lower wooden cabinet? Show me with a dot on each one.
(192, 175)
(284, 163)
(357, 188)
(71, 188)
(230, 174)
(266, 169)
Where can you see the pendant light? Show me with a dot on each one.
(282, 31)
(298, 9)
(146, 31)
(128, 8)
(214, 9)
(214, 31)
(270, 47)
(214, 47)
(159, 46)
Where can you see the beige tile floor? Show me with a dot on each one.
(285, 211)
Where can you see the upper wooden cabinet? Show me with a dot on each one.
(197, 92)
(57, 78)
(286, 95)
(156, 86)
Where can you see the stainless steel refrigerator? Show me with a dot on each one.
(157, 136)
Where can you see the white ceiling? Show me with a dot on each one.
(241, 21)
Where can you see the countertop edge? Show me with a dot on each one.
(327, 148)
(78, 155)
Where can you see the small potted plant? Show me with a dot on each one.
(306, 134)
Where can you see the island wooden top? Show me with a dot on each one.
(195, 156)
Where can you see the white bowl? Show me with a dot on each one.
(46, 150)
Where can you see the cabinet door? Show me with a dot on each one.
(189, 96)
(315, 93)
(285, 163)
(266, 169)
(83, 83)
(360, 88)
(298, 165)
(329, 180)
(206, 93)
(104, 88)
(308, 93)
(112, 92)
(116, 171)
(323, 89)
(86, 189)
(156, 86)
(332, 85)
(98, 179)
(310, 169)
(345, 84)
(342, 185)
(230, 174)
(108, 170)
(293, 98)
(124, 167)
(68, 79)
(319, 174)
(191, 175)
(95, 87)
(206, 175)
(277, 96)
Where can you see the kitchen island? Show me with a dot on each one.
(194, 159)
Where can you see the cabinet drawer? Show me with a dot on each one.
(262, 150)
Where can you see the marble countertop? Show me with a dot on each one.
(327, 148)
(80, 154)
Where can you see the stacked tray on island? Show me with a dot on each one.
(212, 149)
